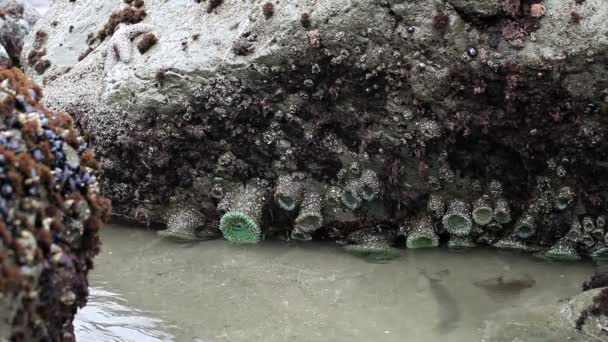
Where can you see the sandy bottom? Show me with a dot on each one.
(148, 289)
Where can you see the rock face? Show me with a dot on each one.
(16, 20)
(548, 322)
(51, 213)
(493, 110)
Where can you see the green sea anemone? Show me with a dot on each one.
(575, 234)
(600, 253)
(525, 226)
(513, 243)
(494, 227)
(373, 251)
(239, 227)
(459, 242)
(482, 211)
(565, 197)
(243, 207)
(350, 197)
(588, 224)
(502, 212)
(422, 235)
(563, 250)
(186, 224)
(457, 220)
(288, 193)
(487, 238)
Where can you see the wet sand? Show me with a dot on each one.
(148, 289)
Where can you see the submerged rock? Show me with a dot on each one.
(391, 110)
(547, 322)
(51, 212)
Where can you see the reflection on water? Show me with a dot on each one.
(150, 289)
(107, 318)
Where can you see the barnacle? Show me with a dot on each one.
(457, 242)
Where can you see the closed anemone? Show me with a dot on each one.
(350, 199)
(368, 193)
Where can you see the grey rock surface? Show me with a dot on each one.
(16, 20)
(454, 98)
(549, 322)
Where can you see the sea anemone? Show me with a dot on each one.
(458, 242)
(513, 243)
(525, 226)
(436, 205)
(185, 223)
(374, 252)
(482, 211)
(457, 221)
(370, 185)
(421, 234)
(350, 197)
(372, 243)
(288, 193)
(310, 218)
(239, 227)
(241, 222)
(565, 197)
(502, 212)
(562, 250)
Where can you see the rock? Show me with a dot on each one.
(16, 20)
(456, 100)
(548, 322)
(51, 212)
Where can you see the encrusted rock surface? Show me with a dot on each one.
(16, 20)
(547, 322)
(445, 101)
(51, 212)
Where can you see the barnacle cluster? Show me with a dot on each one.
(51, 213)
(446, 142)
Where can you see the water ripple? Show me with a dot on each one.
(107, 318)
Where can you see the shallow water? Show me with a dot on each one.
(149, 289)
